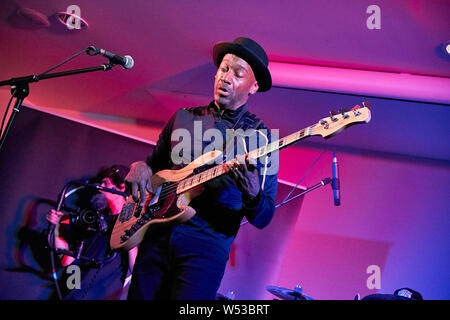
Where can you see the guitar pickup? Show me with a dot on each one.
(126, 212)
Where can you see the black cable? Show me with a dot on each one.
(51, 242)
(6, 113)
(52, 229)
(307, 171)
(286, 199)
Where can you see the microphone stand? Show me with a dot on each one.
(20, 88)
(321, 183)
(314, 187)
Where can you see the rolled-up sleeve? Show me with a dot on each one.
(259, 211)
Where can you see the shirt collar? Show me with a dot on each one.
(228, 114)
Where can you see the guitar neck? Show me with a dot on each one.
(220, 169)
(280, 143)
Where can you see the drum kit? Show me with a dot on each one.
(281, 293)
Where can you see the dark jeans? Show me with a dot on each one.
(176, 266)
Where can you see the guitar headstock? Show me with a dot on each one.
(328, 127)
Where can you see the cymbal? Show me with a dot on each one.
(288, 294)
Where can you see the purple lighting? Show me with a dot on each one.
(362, 82)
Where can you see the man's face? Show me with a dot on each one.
(234, 82)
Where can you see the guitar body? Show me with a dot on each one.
(163, 206)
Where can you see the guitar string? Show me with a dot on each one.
(168, 190)
(165, 192)
(174, 186)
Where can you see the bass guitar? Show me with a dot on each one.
(175, 189)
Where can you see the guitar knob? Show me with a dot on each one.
(138, 211)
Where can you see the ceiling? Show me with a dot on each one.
(171, 43)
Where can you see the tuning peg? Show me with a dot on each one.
(343, 112)
(356, 111)
(333, 115)
(367, 105)
(324, 123)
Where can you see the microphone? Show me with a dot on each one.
(335, 185)
(100, 188)
(127, 62)
(99, 202)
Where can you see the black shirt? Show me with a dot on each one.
(221, 207)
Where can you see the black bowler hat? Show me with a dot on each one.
(252, 53)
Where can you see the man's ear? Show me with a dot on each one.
(254, 88)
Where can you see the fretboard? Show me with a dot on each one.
(214, 172)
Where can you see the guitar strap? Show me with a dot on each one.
(246, 121)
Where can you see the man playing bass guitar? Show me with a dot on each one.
(187, 260)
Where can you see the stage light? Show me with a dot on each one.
(30, 18)
(446, 47)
